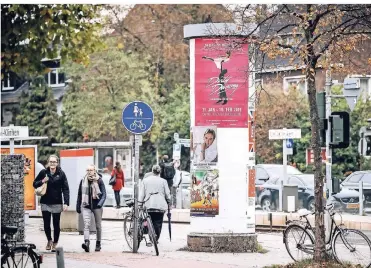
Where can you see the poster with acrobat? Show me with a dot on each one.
(204, 148)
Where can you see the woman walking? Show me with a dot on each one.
(52, 202)
(90, 199)
(119, 173)
(159, 203)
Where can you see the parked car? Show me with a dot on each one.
(265, 172)
(346, 200)
(268, 197)
(352, 182)
(126, 193)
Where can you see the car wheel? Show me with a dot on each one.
(266, 204)
(311, 205)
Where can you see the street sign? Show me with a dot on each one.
(310, 156)
(351, 91)
(176, 151)
(289, 146)
(281, 134)
(362, 146)
(137, 117)
(14, 132)
(185, 142)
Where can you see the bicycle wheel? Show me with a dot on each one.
(129, 230)
(20, 257)
(152, 234)
(299, 243)
(352, 247)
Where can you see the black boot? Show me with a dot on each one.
(86, 245)
(97, 246)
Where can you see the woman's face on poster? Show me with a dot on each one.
(208, 139)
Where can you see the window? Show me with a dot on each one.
(55, 78)
(366, 178)
(7, 83)
(261, 175)
(354, 178)
(365, 83)
(296, 82)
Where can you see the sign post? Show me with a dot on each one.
(137, 118)
(13, 132)
(287, 136)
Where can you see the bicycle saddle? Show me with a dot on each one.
(130, 203)
(304, 212)
(9, 230)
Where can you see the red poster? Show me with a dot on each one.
(221, 83)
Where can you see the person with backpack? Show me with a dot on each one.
(168, 173)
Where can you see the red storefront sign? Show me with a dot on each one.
(310, 156)
(221, 83)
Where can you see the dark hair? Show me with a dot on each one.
(210, 131)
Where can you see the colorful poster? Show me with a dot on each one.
(204, 149)
(205, 193)
(221, 83)
(29, 169)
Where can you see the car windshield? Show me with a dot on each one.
(277, 171)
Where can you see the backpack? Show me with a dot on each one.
(169, 171)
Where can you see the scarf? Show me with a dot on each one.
(95, 191)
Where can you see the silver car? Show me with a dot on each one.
(126, 193)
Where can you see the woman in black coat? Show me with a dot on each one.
(52, 202)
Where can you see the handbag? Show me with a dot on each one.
(112, 181)
(40, 191)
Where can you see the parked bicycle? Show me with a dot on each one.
(348, 246)
(17, 255)
(145, 225)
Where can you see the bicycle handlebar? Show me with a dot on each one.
(142, 202)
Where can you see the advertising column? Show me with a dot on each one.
(222, 135)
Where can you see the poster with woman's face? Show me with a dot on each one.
(204, 145)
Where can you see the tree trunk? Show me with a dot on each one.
(319, 251)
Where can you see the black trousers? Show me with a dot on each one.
(56, 225)
(157, 220)
(117, 197)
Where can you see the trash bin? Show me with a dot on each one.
(80, 227)
(290, 202)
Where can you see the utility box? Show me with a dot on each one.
(290, 198)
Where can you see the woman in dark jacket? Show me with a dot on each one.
(52, 202)
(90, 199)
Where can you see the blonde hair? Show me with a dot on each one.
(54, 156)
(93, 166)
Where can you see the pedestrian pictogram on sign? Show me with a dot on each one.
(137, 117)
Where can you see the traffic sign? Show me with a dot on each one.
(352, 91)
(289, 146)
(281, 134)
(176, 136)
(14, 132)
(176, 150)
(185, 142)
(310, 156)
(137, 117)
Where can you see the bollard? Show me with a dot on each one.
(361, 198)
(270, 220)
(60, 257)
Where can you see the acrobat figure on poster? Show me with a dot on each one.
(219, 64)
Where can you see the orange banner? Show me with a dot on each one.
(29, 191)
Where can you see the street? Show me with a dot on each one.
(115, 252)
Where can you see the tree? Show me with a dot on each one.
(322, 35)
(38, 111)
(30, 33)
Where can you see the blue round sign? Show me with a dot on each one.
(137, 117)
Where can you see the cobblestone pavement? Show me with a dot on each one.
(115, 253)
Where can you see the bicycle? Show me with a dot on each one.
(145, 225)
(15, 255)
(339, 242)
(139, 124)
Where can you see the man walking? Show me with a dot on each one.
(168, 173)
(158, 203)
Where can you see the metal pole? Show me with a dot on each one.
(284, 149)
(328, 183)
(11, 142)
(60, 257)
(136, 181)
(361, 198)
(280, 196)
